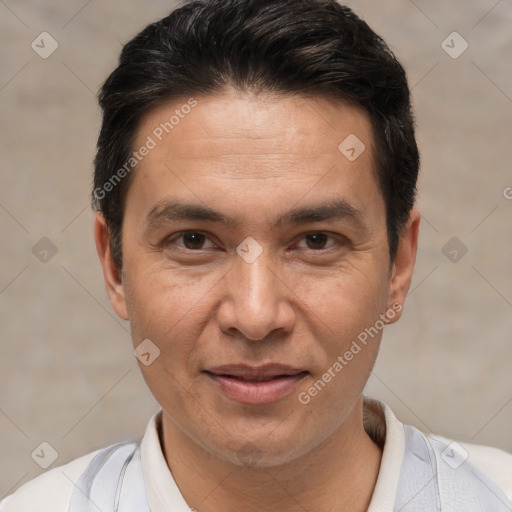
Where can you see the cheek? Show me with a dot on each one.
(347, 329)
(346, 303)
(163, 300)
(168, 308)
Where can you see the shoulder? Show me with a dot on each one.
(50, 491)
(486, 461)
(493, 462)
(430, 467)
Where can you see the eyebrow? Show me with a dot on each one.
(173, 211)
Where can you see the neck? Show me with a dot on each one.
(339, 475)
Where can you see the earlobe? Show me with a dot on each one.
(403, 266)
(111, 274)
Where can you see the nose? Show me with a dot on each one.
(256, 301)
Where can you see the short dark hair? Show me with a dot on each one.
(298, 47)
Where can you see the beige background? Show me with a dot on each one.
(67, 369)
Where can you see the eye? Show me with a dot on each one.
(317, 241)
(192, 240)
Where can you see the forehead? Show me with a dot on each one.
(248, 145)
(298, 124)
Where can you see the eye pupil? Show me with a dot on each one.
(193, 240)
(318, 239)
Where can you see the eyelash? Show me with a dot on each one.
(177, 236)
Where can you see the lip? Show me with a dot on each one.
(256, 385)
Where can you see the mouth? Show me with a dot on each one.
(256, 385)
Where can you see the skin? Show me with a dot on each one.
(301, 303)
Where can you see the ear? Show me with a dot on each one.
(403, 266)
(111, 274)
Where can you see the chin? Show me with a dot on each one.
(258, 452)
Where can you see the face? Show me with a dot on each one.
(255, 255)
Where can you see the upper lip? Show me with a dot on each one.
(244, 371)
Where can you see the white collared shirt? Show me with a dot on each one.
(51, 491)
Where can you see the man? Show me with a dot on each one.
(255, 183)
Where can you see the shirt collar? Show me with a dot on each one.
(384, 494)
(163, 493)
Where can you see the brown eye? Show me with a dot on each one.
(193, 240)
(189, 240)
(316, 240)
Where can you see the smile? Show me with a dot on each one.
(256, 386)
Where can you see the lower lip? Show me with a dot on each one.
(257, 392)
